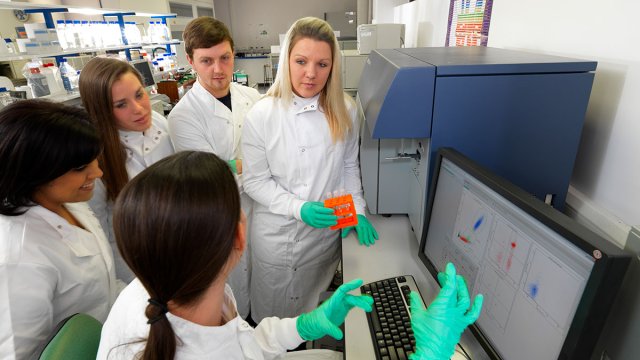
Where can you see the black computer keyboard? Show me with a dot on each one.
(390, 320)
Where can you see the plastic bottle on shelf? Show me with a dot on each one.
(69, 76)
(11, 47)
(163, 29)
(114, 28)
(69, 35)
(132, 33)
(96, 34)
(54, 81)
(151, 32)
(62, 34)
(174, 60)
(37, 82)
(76, 32)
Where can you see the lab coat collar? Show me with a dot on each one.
(59, 224)
(219, 108)
(153, 129)
(212, 339)
(301, 105)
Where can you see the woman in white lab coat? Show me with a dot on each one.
(180, 228)
(300, 143)
(133, 135)
(54, 258)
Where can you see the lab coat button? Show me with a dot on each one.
(312, 106)
(146, 149)
(59, 226)
(159, 132)
(303, 150)
(156, 138)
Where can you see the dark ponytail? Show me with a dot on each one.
(175, 225)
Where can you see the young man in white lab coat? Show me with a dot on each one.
(209, 117)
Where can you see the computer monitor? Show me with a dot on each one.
(144, 68)
(548, 282)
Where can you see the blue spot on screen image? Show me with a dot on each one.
(478, 223)
(533, 290)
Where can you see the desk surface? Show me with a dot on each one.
(394, 254)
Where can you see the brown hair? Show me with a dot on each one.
(96, 80)
(204, 32)
(332, 97)
(175, 224)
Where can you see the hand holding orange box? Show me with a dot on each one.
(344, 210)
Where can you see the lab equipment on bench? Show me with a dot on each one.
(518, 113)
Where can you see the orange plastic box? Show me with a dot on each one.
(344, 210)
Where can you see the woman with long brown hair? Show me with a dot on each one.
(133, 135)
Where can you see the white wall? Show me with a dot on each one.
(250, 17)
(382, 10)
(607, 170)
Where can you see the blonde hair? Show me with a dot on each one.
(332, 97)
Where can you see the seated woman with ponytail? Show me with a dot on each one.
(180, 229)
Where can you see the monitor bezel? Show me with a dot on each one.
(133, 63)
(603, 284)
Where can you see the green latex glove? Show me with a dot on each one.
(232, 165)
(327, 318)
(315, 214)
(367, 234)
(438, 329)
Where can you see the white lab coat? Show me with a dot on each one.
(201, 122)
(49, 270)
(142, 150)
(235, 339)
(290, 158)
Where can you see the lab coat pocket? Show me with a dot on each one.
(271, 243)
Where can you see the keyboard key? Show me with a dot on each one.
(392, 353)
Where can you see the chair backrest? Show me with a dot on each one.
(75, 338)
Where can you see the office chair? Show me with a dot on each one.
(74, 338)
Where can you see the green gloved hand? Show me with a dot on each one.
(367, 234)
(438, 329)
(232, 165)
(315, 214)
(327, 318)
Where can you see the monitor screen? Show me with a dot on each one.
(548, 282)
(144, 68)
